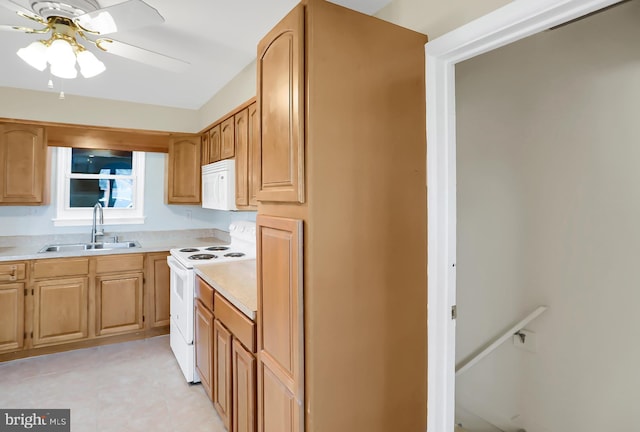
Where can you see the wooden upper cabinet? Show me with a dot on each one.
(184, 170)
(281, 109)
(242, 158)
(227, 134)
(23, 165)
(254, 154)
(205, 148)
(214, 144)
(280, 325)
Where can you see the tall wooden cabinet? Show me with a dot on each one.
(23, 165)
(280, 325)
(341, 105)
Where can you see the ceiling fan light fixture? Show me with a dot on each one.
(90, 66)
(64, 71)
(61, 52)
(34, 55)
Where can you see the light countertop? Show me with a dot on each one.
(27, 247)
(235, 281)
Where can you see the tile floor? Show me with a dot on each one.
(125, 387)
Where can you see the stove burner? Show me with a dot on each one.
(234, 254)
(189, 250)
(217, 248)
(202, 256)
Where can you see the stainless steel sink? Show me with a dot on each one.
(73, 247)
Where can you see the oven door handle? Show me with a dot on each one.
(176, 267)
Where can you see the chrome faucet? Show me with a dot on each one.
(94, 232)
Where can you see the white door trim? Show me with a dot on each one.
(515, 21)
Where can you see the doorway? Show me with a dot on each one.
(502, 27)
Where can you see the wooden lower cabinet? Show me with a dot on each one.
(204, 346)
(280, 325)
(158, 289)
(243, 366)
(222, 372)
(60, 310)
(47, 303)
(11, 316)
(119, 303)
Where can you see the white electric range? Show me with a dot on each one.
(181, 263)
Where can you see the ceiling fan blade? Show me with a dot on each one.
(141, 55)
(22, 29)
(122, 16)
(22, 11)
(15, 7)
(8, 28)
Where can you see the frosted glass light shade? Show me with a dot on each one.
(60, 52)
(34, 55)
(64, 71)
(90, 66)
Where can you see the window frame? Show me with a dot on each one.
(83, 216)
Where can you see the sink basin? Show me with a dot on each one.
(77, 247)
(116, 245)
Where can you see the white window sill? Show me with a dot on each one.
(107, 221)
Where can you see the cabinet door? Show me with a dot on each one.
(205, 148)
(280, 325)
(158, 289)
(11, 316)
(222, 372)
(254, 153)
(118, 303)
(183, 170)
(242, 158)
(60, 310)
(203, 340)
(281, 110)
(214, 144)
(23, 158)
(227, 134)
(244, 388)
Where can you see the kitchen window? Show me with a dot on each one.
(113, 178)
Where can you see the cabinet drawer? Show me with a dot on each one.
(204, 292)
(240, 326)
(13, 271)
(119, 263)
(60, 267)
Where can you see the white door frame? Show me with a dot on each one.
(515, 21)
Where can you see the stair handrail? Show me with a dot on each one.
(465, 365)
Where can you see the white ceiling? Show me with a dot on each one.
(218, 38)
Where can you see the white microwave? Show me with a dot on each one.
(219, 185)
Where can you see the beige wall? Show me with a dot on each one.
(241, 88)
(436, 17)
(548, 150)
(45, 106)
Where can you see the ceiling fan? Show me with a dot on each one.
(71, 23)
